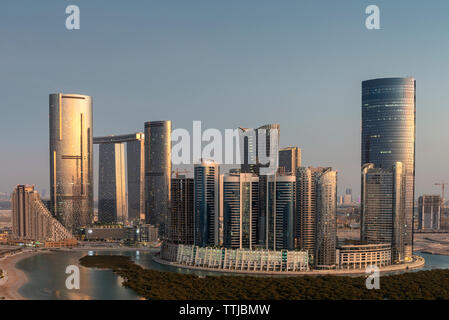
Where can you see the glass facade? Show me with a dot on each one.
(158, 174)
(289, 160)
(181, 219)
(112, 204)
(305, 224)
(280, 212)
(240, 205)
(134, 198)
(383, 207)
(206, 204)
(71, 163)
(135, 162)
(326, 218)
(388, 136)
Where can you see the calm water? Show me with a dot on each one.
(46, 274)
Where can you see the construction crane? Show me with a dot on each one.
(442, 184)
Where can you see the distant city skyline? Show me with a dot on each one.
(228, 64)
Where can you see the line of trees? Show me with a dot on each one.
(151, 284)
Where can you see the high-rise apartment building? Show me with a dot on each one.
(280, 217)
(248, 144)
(207, 219)
(383, 206)
(158, 174)
(182, 214)
(315, 223)
(71, 162)
(120, 201)
(239, 204)
(326, 219)
(258, 145)
(289, 160)
(135, 162)
(388, 137)
(305, 221)
(31, 220)
(112, 197)
(429, 212)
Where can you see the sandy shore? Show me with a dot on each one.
(433, 243)
(15, 278)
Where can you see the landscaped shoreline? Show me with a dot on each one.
(156, 285)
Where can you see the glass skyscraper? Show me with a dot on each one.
(71, 163)
(326, 218)
(383, 207)
(280, 193)
(112, 204)
(181, 216)
(158, 174)
(135, 156)
(388, 136)
(207, 219)
(239, 202)
(316, 206)
(115, 203)
(289, 160)
(305, 222)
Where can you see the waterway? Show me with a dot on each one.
(47, 277)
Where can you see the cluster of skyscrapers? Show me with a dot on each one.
(294, 208)
(291, 208)
(128, 190)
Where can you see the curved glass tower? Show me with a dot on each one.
(326, 218)
(239, 203)
(388, 137)
(71, 163)
(158, 174)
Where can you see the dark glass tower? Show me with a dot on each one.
(206, 204)
(239, 200)
(388, 136)
(114, 204)
(280, 212)
(181, 228)
(158, 174)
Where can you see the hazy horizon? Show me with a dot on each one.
(228, 64)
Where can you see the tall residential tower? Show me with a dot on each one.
(71, 163)
(207, 220)
(388, 137)
(158, 174)
(115, 203)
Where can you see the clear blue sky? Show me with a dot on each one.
(228, 63)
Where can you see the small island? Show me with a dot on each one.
(156, 285)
